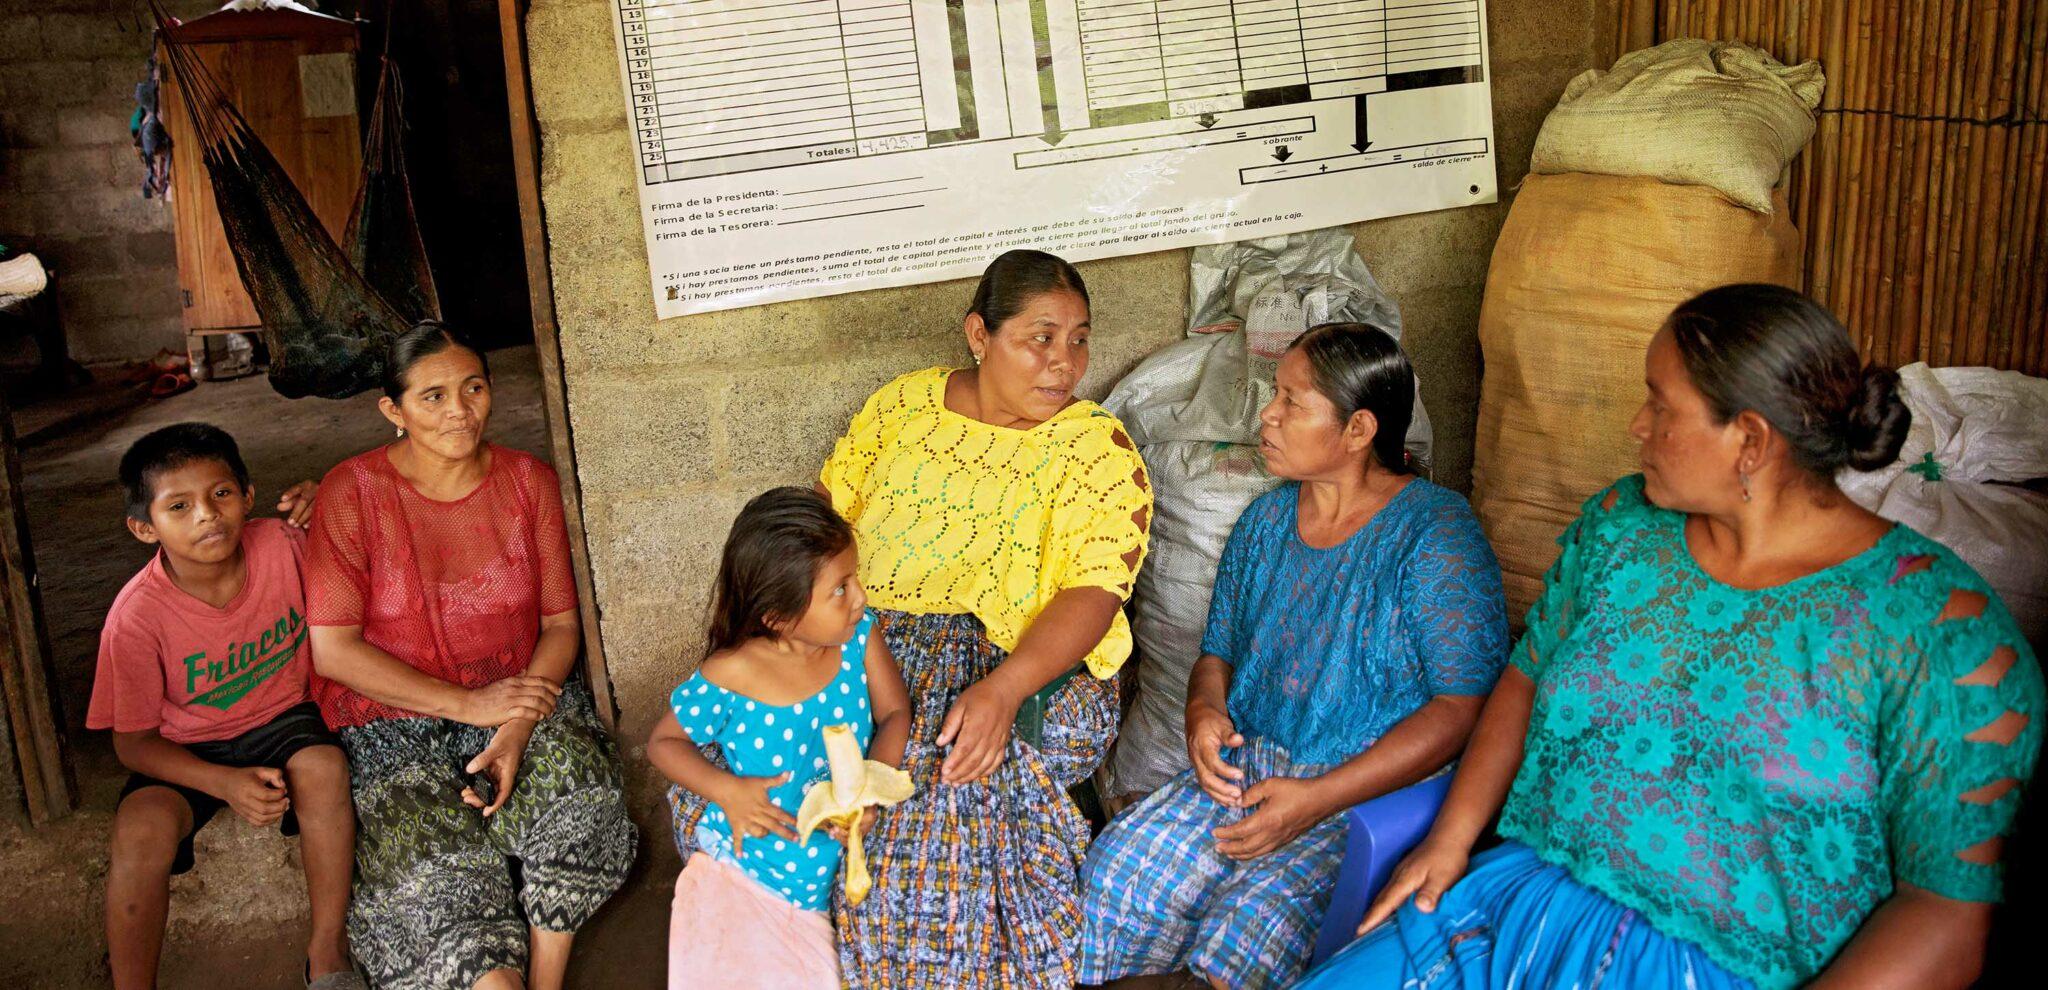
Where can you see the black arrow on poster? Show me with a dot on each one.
(1282, 154)
(1361, 133)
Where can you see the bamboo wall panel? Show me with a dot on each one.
(1921, 196)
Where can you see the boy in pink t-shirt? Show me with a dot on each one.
(203, 676)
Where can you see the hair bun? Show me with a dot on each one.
(1876, 425)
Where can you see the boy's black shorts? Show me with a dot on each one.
(267, 745)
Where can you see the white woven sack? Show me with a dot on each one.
(1692, 112)
(1199, 489)
(1977, 434)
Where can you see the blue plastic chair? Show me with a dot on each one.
(1376, 835)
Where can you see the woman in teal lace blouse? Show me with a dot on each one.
(1755, 736)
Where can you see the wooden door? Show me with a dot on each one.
(283, 79)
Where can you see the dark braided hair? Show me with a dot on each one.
(1770, 349)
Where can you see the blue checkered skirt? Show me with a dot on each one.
(1156, 896)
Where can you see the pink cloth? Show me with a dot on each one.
(726, 930)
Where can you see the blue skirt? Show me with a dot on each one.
(1517, 921)
(1156, 896)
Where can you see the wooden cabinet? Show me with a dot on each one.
(293, 76)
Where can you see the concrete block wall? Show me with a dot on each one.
(678, 422)
(70, 179)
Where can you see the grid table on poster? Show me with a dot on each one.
(720, 86)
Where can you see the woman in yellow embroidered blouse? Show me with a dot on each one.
(1000, 522)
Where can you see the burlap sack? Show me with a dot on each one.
(1695, 112)
(1586, 269)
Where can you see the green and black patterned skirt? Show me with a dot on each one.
(435, 905)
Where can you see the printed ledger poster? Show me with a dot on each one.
(797, 148)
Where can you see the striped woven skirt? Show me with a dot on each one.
(976, 884)
(1515, 921)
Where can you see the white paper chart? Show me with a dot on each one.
(797, 148)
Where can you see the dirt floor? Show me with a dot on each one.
(239, 915)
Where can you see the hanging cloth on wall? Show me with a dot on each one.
(327, 311)
(152, 142)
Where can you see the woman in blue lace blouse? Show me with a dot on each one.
(1755, 736)
(1356, 627)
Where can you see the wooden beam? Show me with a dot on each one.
(26, 674)
(547, 342)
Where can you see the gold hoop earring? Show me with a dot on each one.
(1744, 476)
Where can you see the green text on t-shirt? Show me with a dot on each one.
(242, 666)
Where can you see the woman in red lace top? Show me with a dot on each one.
(445, 628)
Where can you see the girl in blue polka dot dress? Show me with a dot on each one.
(790, 652)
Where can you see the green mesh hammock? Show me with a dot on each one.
(327, 309)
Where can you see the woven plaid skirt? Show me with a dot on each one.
(976, 884)
(1159, 898)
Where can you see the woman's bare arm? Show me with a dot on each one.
(1284, 808)
(554, 654)
(1414, 748)
(1915, 940)
(341, 654)
(978, 726)
(1491, 761)
(1477, 793)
